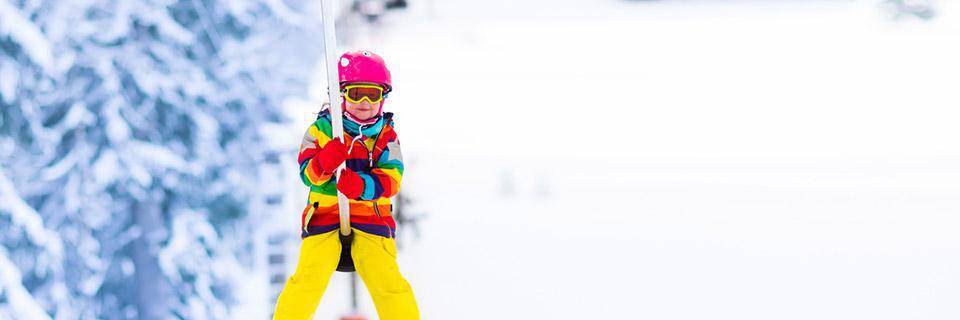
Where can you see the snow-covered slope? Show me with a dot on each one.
(677, 160)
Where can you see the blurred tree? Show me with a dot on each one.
(132, 131)
(898, 9)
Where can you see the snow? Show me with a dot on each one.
(167, 26)
(576, 159)
(117, 129)
(285, 13)
(755, 160)
(8, 83)
(151, 99)
(190, 235)
(106, 168)
(18, 27)
(18, 298)
(156, 156)
(77, 115)
(21, 214)
(57, 170)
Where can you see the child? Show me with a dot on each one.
(371, 177)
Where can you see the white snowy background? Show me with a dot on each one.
(679, 159)
(574, 160)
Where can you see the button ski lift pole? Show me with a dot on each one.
(333, 93)
(336, 120)
(331, 59)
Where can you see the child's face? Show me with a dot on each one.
(363, 110)
(359, 97)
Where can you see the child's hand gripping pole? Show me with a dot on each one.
(333, 92)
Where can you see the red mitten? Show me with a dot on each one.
(331, 155)
(350, 184)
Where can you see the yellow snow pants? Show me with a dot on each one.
(375, 258)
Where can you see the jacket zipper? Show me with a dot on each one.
(372, 149)
(376, 208)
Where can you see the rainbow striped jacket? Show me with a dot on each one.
(376, 159)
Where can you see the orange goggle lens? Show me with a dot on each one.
(357, 93)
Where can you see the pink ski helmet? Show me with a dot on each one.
(364, 66)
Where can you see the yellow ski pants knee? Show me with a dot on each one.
(376, 263)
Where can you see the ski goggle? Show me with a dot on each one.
(355, 93)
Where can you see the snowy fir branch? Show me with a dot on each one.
(130, 148)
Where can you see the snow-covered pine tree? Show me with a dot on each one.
(130, 144)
